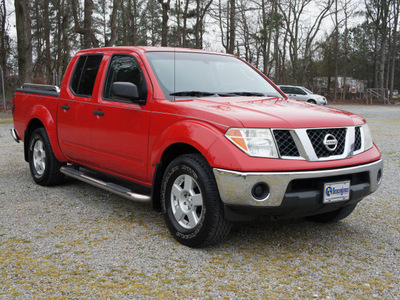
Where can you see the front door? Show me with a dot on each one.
(120, 127)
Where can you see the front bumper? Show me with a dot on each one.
(237, 188)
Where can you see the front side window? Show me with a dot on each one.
(189, 75)
(85, 75)
(124, 68)
(299, 91)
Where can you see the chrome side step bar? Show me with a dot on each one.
(108, 186)
(14, 135)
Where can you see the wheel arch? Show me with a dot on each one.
(171, 152)
(31, 127)
(41, 117)
(182, 137)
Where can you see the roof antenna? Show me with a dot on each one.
(174, 71)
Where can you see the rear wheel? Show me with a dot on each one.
(44, 166)
(193, 211)
(334, 216)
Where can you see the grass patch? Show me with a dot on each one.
(6, 121)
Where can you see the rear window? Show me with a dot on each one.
(85, 75)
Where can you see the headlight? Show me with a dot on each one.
(367, 137)
(254, 142)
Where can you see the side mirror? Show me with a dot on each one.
(126, 90)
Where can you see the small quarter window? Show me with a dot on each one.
(85, 75)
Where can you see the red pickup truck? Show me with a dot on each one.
(205, 137)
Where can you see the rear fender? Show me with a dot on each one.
(40, 114)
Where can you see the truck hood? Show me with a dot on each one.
(272, 112)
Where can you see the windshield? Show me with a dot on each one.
(183, 75)
(307, 90)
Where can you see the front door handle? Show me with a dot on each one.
(65, 107)
(98, 112)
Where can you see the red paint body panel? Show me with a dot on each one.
(130, 139)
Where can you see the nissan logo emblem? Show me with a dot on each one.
(330, 142)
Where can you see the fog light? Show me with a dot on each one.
(260, 191)
(379, 177)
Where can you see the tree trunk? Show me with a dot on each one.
(164, 27)
(47, 41)
(232, 26)
(113, 24)
(184, 29)
(133, 19)
(4, 38)
(336, 51)
(87, 24)
(394, 48)
(24, 43)
(66, 41)
(75, 6)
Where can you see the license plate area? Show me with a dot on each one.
(336, 191)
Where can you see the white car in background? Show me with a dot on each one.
(301, 93)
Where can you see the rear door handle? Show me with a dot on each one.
(98, 112)
(65, 107)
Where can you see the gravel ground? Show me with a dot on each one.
(76, 241)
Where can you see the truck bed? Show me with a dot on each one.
(41, 89)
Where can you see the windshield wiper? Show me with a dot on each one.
(248, 94)
(192, 93)
(207, 94)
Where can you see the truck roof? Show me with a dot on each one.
(145, 49)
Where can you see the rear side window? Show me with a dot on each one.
(286, 89)
(85, 75)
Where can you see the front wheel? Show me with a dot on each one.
(193, 211)
(44, 166)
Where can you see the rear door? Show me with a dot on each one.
(119, 126)
(75, 110)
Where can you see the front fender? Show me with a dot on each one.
(195, 133)
(43, 114)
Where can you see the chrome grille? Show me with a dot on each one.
(285, 143)
(317, 136)
(357, 140)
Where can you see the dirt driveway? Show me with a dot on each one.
(76, 241)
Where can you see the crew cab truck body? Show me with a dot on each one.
(207, 138)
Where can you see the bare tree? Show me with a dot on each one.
(166, 6)
(89, 37)
(185, 25)
(394, 49)
(300, 36)
(378, 12)
(226, 18)
(4, 41)
(23, 25)
(202, 8)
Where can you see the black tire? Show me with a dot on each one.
(312, 101)
(192, 208)
(334, 216)
(44, 166)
